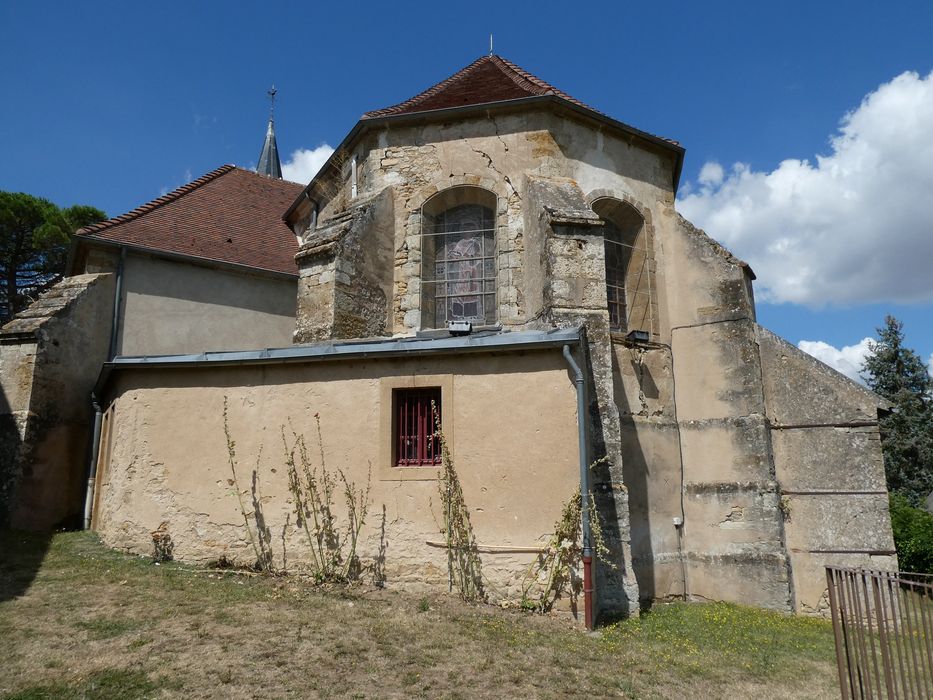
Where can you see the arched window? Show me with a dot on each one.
(628, 283)
(458, 257)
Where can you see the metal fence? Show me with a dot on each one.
(883, 624)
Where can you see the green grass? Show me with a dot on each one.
(698, 639)
(80, 621)
(118, 684)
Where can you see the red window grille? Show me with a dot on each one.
(416, 441)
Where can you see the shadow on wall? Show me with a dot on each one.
(635, 476)
(10, 446)
(21, 555)
(614, 600)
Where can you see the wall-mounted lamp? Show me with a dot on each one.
(459, 327)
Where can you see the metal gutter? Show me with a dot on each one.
(364, 125)
(349, 350)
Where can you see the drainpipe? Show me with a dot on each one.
(117, 304)
(92, 467)
(584, 489)
(95, 404)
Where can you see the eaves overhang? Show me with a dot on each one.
(491, 341)
(368, 123)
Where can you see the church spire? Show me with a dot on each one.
(269, 164)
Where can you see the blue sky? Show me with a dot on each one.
(112, 104)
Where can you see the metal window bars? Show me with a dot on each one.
(417, 443)
(628, 283)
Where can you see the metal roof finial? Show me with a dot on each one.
(271, 93)
(490, 43)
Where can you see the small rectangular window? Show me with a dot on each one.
(416, 412)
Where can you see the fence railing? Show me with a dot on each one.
(883, 624)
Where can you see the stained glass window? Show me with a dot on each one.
(459, 266)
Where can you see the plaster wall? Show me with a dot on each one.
(517, 464)
(171, 307)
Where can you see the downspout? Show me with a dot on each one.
(584, 489)
(92, 467)
(117, 305)
(95, 404)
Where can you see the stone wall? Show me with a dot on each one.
(651, 466)
(733, 536)
(566, 253)
(827, 455)
(496, 153)
(346, 274)
(50, 355)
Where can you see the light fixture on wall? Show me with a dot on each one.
(459, 327)
(637, 336)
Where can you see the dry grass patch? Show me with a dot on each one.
(94, 623)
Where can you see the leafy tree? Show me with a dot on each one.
(34, 239)
(898, 374)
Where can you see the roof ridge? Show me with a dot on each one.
(545, 85)
(518, 75)
(522, 77)
(424, 94)
(157, 202)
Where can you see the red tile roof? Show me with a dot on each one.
(229, 215)
(486, 80)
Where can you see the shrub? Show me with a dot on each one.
(913, 535)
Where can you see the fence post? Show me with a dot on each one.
(838, 632)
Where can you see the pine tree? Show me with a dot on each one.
(898, 374)
(34, 239)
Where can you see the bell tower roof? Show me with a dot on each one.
(269, 164)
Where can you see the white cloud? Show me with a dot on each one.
(847, 360)
(711, 174)
(852, 226)
(304, 163)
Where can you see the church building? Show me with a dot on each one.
(496, 253)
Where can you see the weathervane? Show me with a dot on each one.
(271, 93)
